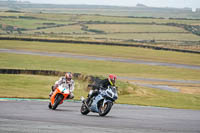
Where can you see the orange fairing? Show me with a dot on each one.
(59, 91)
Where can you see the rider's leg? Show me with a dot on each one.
(91, 94)
(50, 94)
(70, 96)
(52, 90)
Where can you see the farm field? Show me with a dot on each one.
(162, 32)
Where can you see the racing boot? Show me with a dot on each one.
(89, 99)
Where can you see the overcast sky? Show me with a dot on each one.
(154, 3)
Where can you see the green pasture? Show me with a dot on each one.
(28, 23)
(59, 17)
(100, 18)
(43, 16)
(123, 12)
(145, 36)
(93, 67)
(92, 27)
(29, 86)
(112, 28)
(135, 20)
(173, 39)
(11, 14)
(71, 29)
(106, 51)
(22, 23)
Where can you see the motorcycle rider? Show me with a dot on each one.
(103, 85)
(67, 80)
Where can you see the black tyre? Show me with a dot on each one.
(50, 107)
(104, 110)
(84, 110)
(57, 101)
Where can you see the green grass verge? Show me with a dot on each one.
(92, 67)
(110, 51)
(36, 86)
(161, 98)
(29, 86)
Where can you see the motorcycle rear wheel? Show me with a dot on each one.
(84, 110)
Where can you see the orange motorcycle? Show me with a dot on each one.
(58, 96)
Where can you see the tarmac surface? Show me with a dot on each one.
(35, 117)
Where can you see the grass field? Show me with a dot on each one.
(91, 67)
(28, 86)
(135, 20)
(90, 17)
(102, 18)
(125, 28)
(164, 32)
(72, 29)
(144, 36)
(107, 51)
(182, 87)
(117, 11)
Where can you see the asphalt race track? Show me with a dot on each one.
(35, 117)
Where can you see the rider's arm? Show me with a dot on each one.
(72, 86)
(59, 82)
(103, 84)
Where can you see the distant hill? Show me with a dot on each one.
(139, 10)
(140, 5)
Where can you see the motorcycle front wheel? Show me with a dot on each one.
(58, 99)
(50, 107)
(104, 110)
